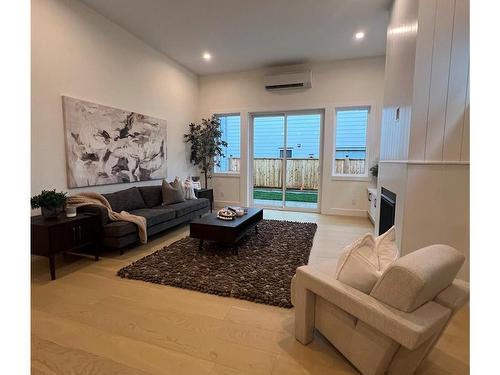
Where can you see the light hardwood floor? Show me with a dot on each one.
(90, 321)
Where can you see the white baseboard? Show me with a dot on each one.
(345, 212)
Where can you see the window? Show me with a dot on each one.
(288, 153)
(230, 128)
(350, 141)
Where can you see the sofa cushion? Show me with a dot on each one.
(125, 200)
(172, 192)
(155, 215)
(119, 229)
(151, 195)
(183, 208)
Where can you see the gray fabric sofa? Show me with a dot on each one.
(144, 201)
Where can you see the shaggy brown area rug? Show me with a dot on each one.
(260, 272)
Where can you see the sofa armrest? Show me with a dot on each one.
(95, 209)
(408, 329)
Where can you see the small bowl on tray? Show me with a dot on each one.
(225, 214)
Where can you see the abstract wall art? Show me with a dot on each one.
(106, 145)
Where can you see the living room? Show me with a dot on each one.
(262, 187)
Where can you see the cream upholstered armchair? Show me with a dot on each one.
(391, 329)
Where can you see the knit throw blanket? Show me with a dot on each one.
(87, 198)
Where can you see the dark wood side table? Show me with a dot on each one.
(206, 193)
(50, 237)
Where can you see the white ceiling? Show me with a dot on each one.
(248, 34)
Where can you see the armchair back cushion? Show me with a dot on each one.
(418, 277)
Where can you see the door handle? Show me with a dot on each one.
(79, 233)
(74, 234)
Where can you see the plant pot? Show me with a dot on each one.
(51, 212)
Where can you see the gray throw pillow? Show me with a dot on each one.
(172, 192)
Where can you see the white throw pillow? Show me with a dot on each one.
(364, 261)
(359, 266)
(387, 250)
(189, 189)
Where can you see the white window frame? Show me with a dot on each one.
(229, 173)
(352, 177)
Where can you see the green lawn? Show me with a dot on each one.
(291, 196)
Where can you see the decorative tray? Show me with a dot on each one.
(226, 214)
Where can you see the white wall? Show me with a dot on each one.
(432, 205)
(437, 208)
(345, 82)
(425, 153)
(427, 75)
(79, 53)
(399, 79)
(440, 125)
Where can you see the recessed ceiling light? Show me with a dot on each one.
(207, 56)
(359, 35)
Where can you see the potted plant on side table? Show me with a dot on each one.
(51, 202)
(374, 172)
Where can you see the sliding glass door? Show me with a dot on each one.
(286, 160)
(268, 160)
(303, 137)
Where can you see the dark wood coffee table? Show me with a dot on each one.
(209, 228)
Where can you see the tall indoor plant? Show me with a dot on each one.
(206, 144)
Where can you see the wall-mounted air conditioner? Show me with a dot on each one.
(288, 81)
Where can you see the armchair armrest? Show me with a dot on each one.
(408, 329)
(455, 296)
(95, 209)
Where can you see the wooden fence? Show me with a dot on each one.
(302, 173)
(349, 166)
